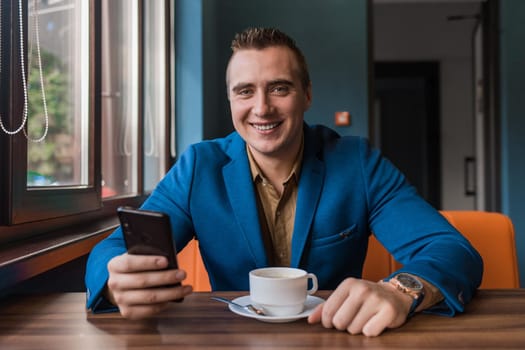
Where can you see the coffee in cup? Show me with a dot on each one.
(281, 291)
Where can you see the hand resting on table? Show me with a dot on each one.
(361, 306)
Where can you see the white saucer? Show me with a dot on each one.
(309, 306)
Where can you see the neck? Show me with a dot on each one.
(276, 169)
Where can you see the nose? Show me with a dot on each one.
(262, 105)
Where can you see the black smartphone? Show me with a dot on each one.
(148, 232)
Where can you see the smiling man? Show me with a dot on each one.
(279, 192)
(268, 99)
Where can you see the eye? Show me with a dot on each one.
(245, 92)
(280, 90)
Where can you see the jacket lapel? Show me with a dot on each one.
(310, 184)
(239, 186)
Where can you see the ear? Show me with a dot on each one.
(308, 97)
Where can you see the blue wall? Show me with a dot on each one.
(189, 100)
(512, 41)
(332, 34)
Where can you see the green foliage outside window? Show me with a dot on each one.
(51, 160)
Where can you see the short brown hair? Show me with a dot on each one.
(260, 38)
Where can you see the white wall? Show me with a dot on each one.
(421, 32)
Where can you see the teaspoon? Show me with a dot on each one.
(248, 307)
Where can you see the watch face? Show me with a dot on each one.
(409, 281)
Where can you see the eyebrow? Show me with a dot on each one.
(281, 82)
(241, 86)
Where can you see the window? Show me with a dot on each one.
(52, 157)
(96, 74)
(120, 91)
(156, 91)
(58, 86)
(123, 113)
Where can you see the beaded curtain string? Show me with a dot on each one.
(24, 76)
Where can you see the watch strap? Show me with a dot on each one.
(415, 303)
(417, 296)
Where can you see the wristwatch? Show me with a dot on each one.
(410, 285)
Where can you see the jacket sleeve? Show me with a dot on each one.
(171, 197)
(418, 236)
(97, 272)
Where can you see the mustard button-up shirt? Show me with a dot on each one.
(277, 212)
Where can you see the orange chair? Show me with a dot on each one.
(189, 259)
(492, 234)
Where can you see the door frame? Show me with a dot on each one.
(429, 71)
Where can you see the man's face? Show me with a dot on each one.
(267, 100)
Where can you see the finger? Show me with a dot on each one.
(334, 302)
(315, 316)
(133, 263)
(144, 280)
(376, 324)
(151, 297)
(135, 312)
(346, 314)
(365, 303)
(361, 319)
(386, 313)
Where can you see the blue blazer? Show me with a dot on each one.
(346, 191)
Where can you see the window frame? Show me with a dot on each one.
(35, 204)
(27, 212)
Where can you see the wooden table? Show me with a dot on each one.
(494, 320)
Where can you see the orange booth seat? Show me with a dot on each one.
(492, 234)
(189, 259)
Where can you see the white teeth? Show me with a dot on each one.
(265, 127)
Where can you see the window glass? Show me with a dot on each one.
(155, 93)
(120, 100)
(57, 92)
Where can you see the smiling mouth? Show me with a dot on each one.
(265, 127)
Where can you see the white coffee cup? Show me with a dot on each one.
(281, 291)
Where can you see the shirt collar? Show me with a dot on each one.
(257, 174)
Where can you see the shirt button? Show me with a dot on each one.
(278, 213)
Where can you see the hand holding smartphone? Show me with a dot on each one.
(148, 232)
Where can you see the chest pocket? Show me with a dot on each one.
(340, 237)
